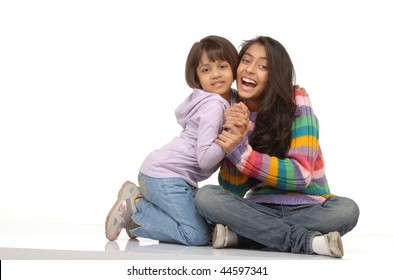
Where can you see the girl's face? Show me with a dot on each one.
(252, 75)
(215, 77)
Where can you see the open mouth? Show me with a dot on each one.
(248, 82)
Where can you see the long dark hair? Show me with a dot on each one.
(276, 111)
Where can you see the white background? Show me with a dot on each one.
(89, 88)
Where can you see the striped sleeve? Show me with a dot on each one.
(231, 179)
(295, 172)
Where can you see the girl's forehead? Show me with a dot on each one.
(205, 57)
(257, 50)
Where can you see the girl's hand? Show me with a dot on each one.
(228, 140)
(236, 126)
(237, 115)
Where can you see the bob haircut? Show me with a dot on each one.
(217, 49)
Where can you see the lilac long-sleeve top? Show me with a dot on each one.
(193, 155)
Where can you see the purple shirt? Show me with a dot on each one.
(193, 155)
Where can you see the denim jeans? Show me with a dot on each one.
(167, 212)
(286, 228)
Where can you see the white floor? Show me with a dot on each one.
(68, 241)
(88, 242)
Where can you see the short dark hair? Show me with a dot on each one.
(217, 48)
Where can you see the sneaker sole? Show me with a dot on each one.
(124, 193)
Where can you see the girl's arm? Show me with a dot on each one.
(303, 159)
(211, 122)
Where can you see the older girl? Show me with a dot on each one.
(274, 191)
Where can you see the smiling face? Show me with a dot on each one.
(252, 75)
(215, 76)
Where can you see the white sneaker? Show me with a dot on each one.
(224, 237)
(120, 214)
(335, 245)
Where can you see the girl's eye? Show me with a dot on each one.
(263, 67)
(223, 66)
(245, 60)
(205, 70)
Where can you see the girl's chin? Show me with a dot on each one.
(246, 94)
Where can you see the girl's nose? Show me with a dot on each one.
(216, 73)
(250, 69)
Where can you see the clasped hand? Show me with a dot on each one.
(236, 126)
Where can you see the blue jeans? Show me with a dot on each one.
(167, 212)
(286, 228)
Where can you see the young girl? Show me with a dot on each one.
(163, 208)
(274, 190)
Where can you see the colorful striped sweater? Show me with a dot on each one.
(298, 179)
